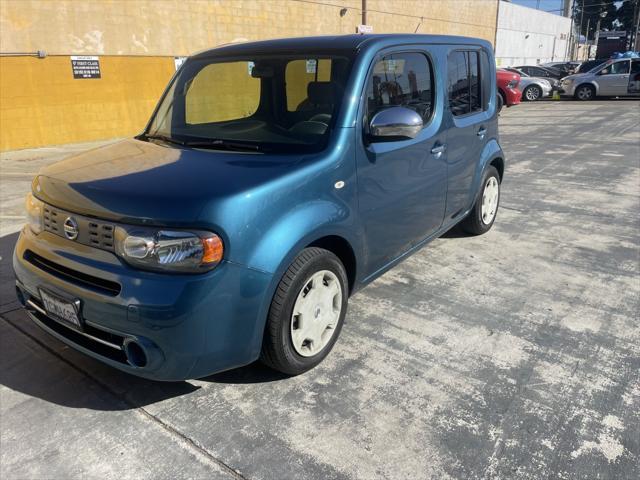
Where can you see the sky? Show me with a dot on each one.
(542, 4)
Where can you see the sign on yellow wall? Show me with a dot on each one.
(42, 104)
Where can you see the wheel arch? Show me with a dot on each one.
(342, 249)
(589, 83)
(498, 163)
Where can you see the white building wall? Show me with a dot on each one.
(526, 36)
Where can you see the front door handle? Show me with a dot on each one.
(482, 132)
(438, 150)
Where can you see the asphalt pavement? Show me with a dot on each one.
(511, 355)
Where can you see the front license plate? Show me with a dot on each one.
(60, 308)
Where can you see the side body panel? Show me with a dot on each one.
(401, 184)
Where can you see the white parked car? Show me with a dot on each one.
(613, 78)
(533, 88)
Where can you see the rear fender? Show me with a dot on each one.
(490, 152)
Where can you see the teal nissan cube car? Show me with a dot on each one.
(273, 181)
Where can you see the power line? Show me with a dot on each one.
(383, 12)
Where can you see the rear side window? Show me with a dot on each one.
(485, 78)
(469, 82)
(404, 80)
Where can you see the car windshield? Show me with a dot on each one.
(269, 103)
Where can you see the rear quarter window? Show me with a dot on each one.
(469, 81)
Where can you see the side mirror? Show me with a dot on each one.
(395, 122)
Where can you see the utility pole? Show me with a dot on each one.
(633, 38)
(568, 54)
(586, 39)
(601, 15)
(581, 16)
(364, 12)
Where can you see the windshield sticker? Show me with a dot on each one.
(389, 66)
(250, 66)
(312, 65)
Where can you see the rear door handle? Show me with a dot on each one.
(438, 150)
(482, 132)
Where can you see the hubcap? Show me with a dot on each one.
(584, 93)
(316, 313)
(533, 94)
(490, 198)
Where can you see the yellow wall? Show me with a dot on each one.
(182, 27)
(221, 92)
(42, 104)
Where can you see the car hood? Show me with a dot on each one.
(141, 182)
(576, 76)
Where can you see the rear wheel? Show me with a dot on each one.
(499, 102)
(484, 211)
(306, 313)
(585, 92)
(532, 93)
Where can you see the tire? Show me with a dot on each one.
(499, 102)
(584, 92)
(478, 220)
(532, 93)
(283, 327)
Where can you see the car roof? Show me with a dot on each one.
(336, 42)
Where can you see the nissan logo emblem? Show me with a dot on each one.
(70, 228)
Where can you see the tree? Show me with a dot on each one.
(618, 15)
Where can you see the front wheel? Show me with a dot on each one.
(484, 210)
(532, 93)
(585, 92)
(499, 102)
(306, 313)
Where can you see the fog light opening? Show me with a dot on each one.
(136, 355)
(21, 297)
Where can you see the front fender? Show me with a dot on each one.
(300, 227)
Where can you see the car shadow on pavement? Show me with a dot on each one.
(40, 366)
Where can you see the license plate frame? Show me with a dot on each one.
(61, 309)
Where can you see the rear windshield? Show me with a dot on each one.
(285, 103)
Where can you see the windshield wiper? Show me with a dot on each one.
(164, 138)
(219, 144)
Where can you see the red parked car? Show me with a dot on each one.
(508, 92)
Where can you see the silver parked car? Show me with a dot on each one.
(613, 78)
(533, 88)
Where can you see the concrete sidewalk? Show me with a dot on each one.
(511, 355)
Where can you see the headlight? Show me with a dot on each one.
(34, 209)
(512, 83)
(168, 250)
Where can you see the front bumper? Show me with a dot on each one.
(513, 96)
(567, 89)
(186, 326)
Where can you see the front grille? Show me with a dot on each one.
(102, 343)
(101, 235)
(96, 284)
(51, 220)
(91, 232)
